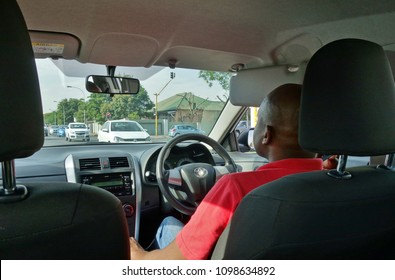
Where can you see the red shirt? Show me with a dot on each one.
(197, 239)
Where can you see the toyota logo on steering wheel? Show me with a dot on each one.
(200, 172)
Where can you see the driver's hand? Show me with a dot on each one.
(136, 251)
(331, 162)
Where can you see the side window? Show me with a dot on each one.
(245, 129)
(105, 125)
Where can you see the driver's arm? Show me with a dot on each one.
(199, 236)
(171, 252)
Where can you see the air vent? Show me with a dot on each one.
(118, 162)
(90, 164)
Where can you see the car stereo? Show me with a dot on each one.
(117, 183)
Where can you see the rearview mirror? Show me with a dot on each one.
(112, 85)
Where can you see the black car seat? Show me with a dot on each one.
(44, 220)
(337, 214)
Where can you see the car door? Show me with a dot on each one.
(104, 132)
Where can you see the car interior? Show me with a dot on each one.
(95, 196)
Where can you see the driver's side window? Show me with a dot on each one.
(245, 129)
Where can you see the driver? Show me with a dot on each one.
(275, 138)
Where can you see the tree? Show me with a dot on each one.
(137, 106)
(81, 114)
(142, 105)
(102, 107)
(74, 106)
(223, 78)
(94, 107)
(67, 109)
(106, 112)
(194, 107)
(121, 106)
(49, 118)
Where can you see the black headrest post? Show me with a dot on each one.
(389, 161)
(340, 172)
(10, 191)
(9, 181)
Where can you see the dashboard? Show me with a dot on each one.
(126, 170)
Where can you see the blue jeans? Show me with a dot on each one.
(167, 231)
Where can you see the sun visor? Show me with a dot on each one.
(54, 45)
(73, 68)
(249, 87)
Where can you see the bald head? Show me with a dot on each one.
(276, 132)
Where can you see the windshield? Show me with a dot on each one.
(167, 98)
(80, 125)
(125, 126)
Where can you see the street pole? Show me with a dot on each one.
(156, 104)
(84, 99)
(156, 113)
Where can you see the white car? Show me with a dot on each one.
(118, 131)
(77, 131)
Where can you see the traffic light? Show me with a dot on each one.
(172, 75)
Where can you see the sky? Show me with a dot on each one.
(53, 85)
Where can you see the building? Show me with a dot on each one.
(189, 108)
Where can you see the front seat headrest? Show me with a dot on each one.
(21, 122)
(359, 87)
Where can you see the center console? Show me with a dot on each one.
(118, 184)
(114, 172)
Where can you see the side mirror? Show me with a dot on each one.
(104, 129)
(112, 85)
(251, 139)
(246, 140)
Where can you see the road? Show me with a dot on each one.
(58, 141)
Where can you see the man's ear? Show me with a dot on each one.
(267, 135)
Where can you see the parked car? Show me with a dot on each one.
(45, 130)
(62, 131)
(123, 131)
(77, 131)
(53, 129)
(179, 129)
(241, 127)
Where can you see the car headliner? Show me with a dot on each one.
(210, 35)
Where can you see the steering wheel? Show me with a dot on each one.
(185, 186)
